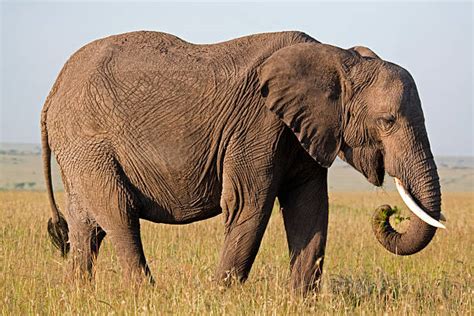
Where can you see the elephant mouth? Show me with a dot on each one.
(380, 170)
(367, 160)
(377, 173)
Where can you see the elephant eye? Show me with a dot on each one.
(386, 122)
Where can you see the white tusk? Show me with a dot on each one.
(406, 197)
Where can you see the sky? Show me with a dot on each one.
(433, 41)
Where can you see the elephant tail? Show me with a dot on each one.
(57, 226)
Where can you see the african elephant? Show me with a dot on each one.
(147, 126)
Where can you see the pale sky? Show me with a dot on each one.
(434, 41)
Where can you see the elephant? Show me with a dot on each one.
(145, 125)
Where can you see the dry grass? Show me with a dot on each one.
(360, 277)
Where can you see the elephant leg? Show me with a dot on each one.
(241, 244)
(85, 243)
(305, 215)
(116, 209)
(246, 209)
(128, 245)
(85, 237)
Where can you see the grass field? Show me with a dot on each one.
(359, 277)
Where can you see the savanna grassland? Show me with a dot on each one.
(360, 277)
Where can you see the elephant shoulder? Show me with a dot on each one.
(296, 37)
(284, 38)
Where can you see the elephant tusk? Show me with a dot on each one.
(407, 198)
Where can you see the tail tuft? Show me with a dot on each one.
(58, 232)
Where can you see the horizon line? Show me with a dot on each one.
(39, 144)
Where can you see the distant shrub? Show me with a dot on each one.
(24, 185)
(20, 185)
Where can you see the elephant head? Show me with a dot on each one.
(353, 104)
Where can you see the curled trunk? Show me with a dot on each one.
(423, 184)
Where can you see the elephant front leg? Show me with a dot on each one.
(241, 245)
(305, 215)
(246, 217)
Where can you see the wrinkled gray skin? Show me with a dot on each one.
(147, 126)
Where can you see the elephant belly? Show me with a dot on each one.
(177, 195)
(158, 214)
(176, 176)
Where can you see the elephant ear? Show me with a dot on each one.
(364, 52)
(302, 86)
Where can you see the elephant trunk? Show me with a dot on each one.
(420, 190)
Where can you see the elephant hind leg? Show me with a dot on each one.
(85, 244)
(85, 237)
(125, 238)
(115, 207)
